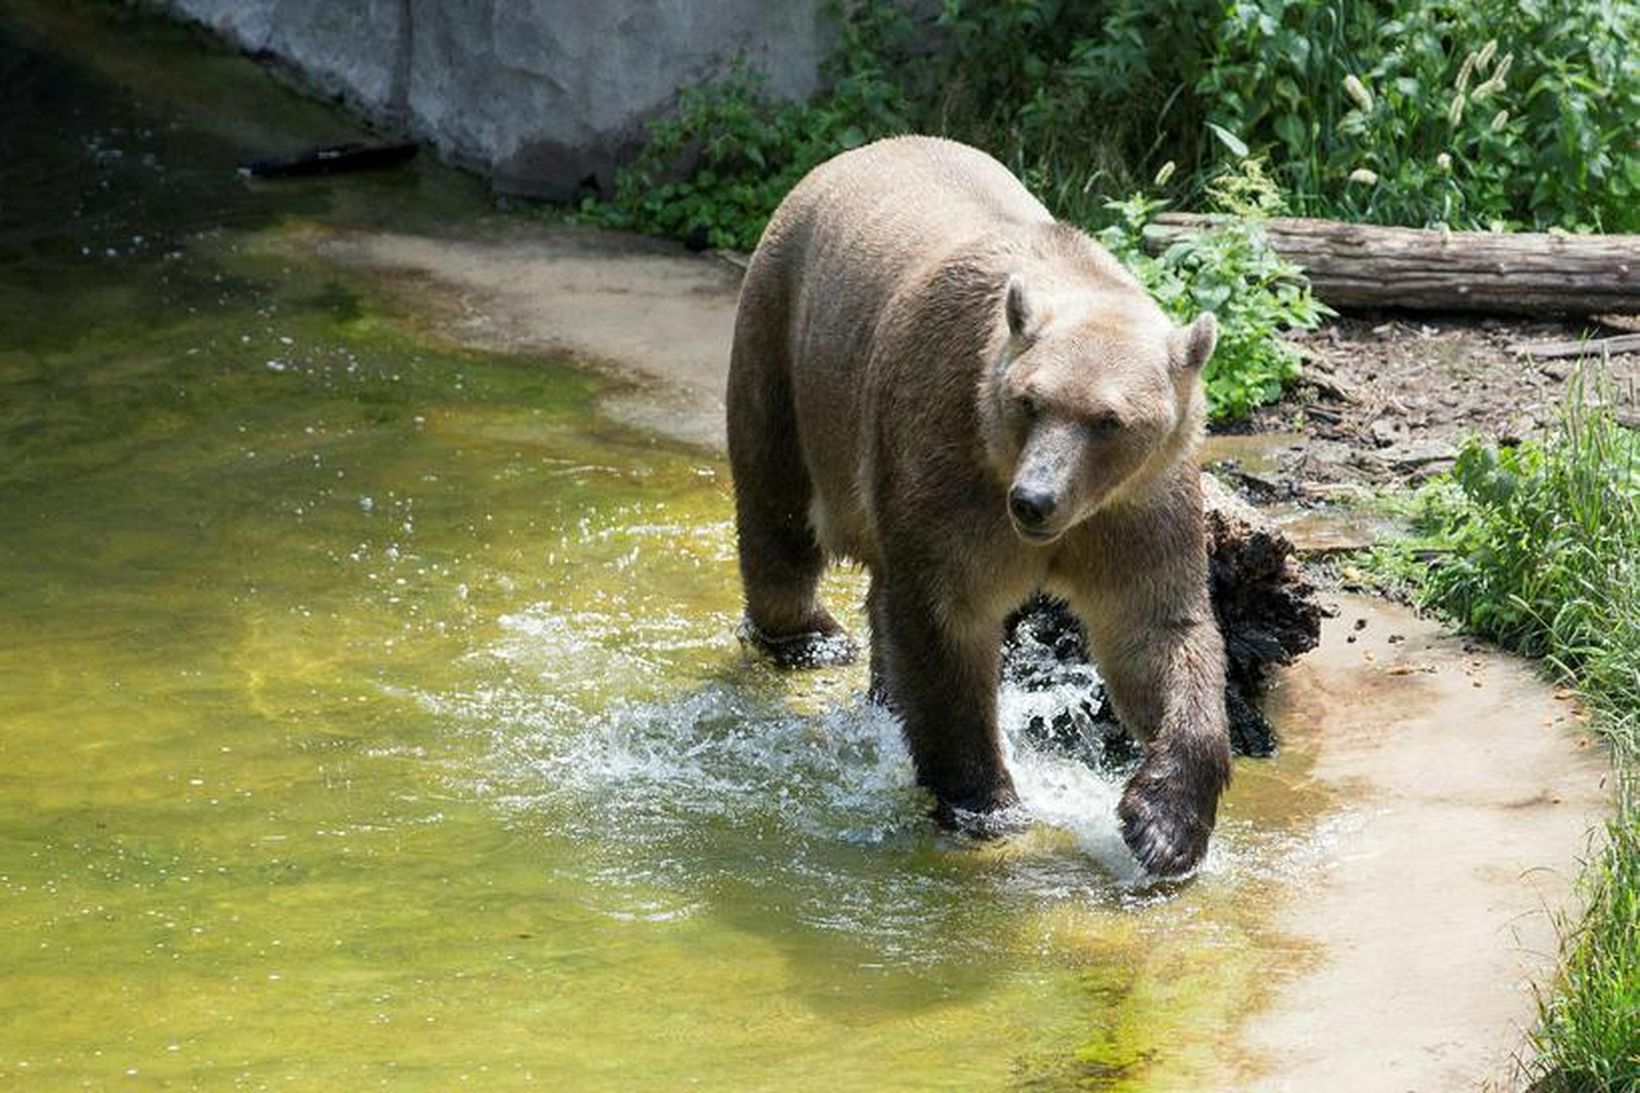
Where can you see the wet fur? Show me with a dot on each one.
(904, 303)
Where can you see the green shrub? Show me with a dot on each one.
(1351, 103)
(1231, 271)
(997, 77)
(745, 150)
(1471, 113)
(1544, 550)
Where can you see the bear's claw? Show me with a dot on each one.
(1163, 828)
(983, 815)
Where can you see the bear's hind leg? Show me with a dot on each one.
(780, 558)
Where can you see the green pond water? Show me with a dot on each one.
(370, 712)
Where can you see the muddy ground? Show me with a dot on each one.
(1387, 400)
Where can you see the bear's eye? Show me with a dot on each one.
(1028, 409)
(1104, 424)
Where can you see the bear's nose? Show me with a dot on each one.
(1031, 507)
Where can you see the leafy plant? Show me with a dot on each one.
(716, 168)
(1356, 106)
(1545, 549)
(1472, 113)
(1469, 113)
(1232, 271)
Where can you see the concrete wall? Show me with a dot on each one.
(538, 94)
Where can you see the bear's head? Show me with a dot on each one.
(1094, 394)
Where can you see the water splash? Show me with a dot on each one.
(724, 790)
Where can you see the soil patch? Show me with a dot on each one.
(1387, 401)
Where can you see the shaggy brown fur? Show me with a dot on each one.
(932, 377)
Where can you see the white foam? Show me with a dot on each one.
(672, 791)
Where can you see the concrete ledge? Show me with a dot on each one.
(540, 95)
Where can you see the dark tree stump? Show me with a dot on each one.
(1266, 610)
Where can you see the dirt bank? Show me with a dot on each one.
(1387, 401)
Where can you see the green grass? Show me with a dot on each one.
(1537, 547)
(1589, 1037)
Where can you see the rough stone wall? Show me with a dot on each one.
(538, 94)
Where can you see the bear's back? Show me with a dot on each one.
(881, 211)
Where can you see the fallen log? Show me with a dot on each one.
(1266, 610)
(1367, 266)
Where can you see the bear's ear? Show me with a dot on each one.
(1192, 346)
(1018, 310)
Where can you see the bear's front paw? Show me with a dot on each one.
(1164, 825)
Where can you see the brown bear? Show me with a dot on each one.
(933, 377)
